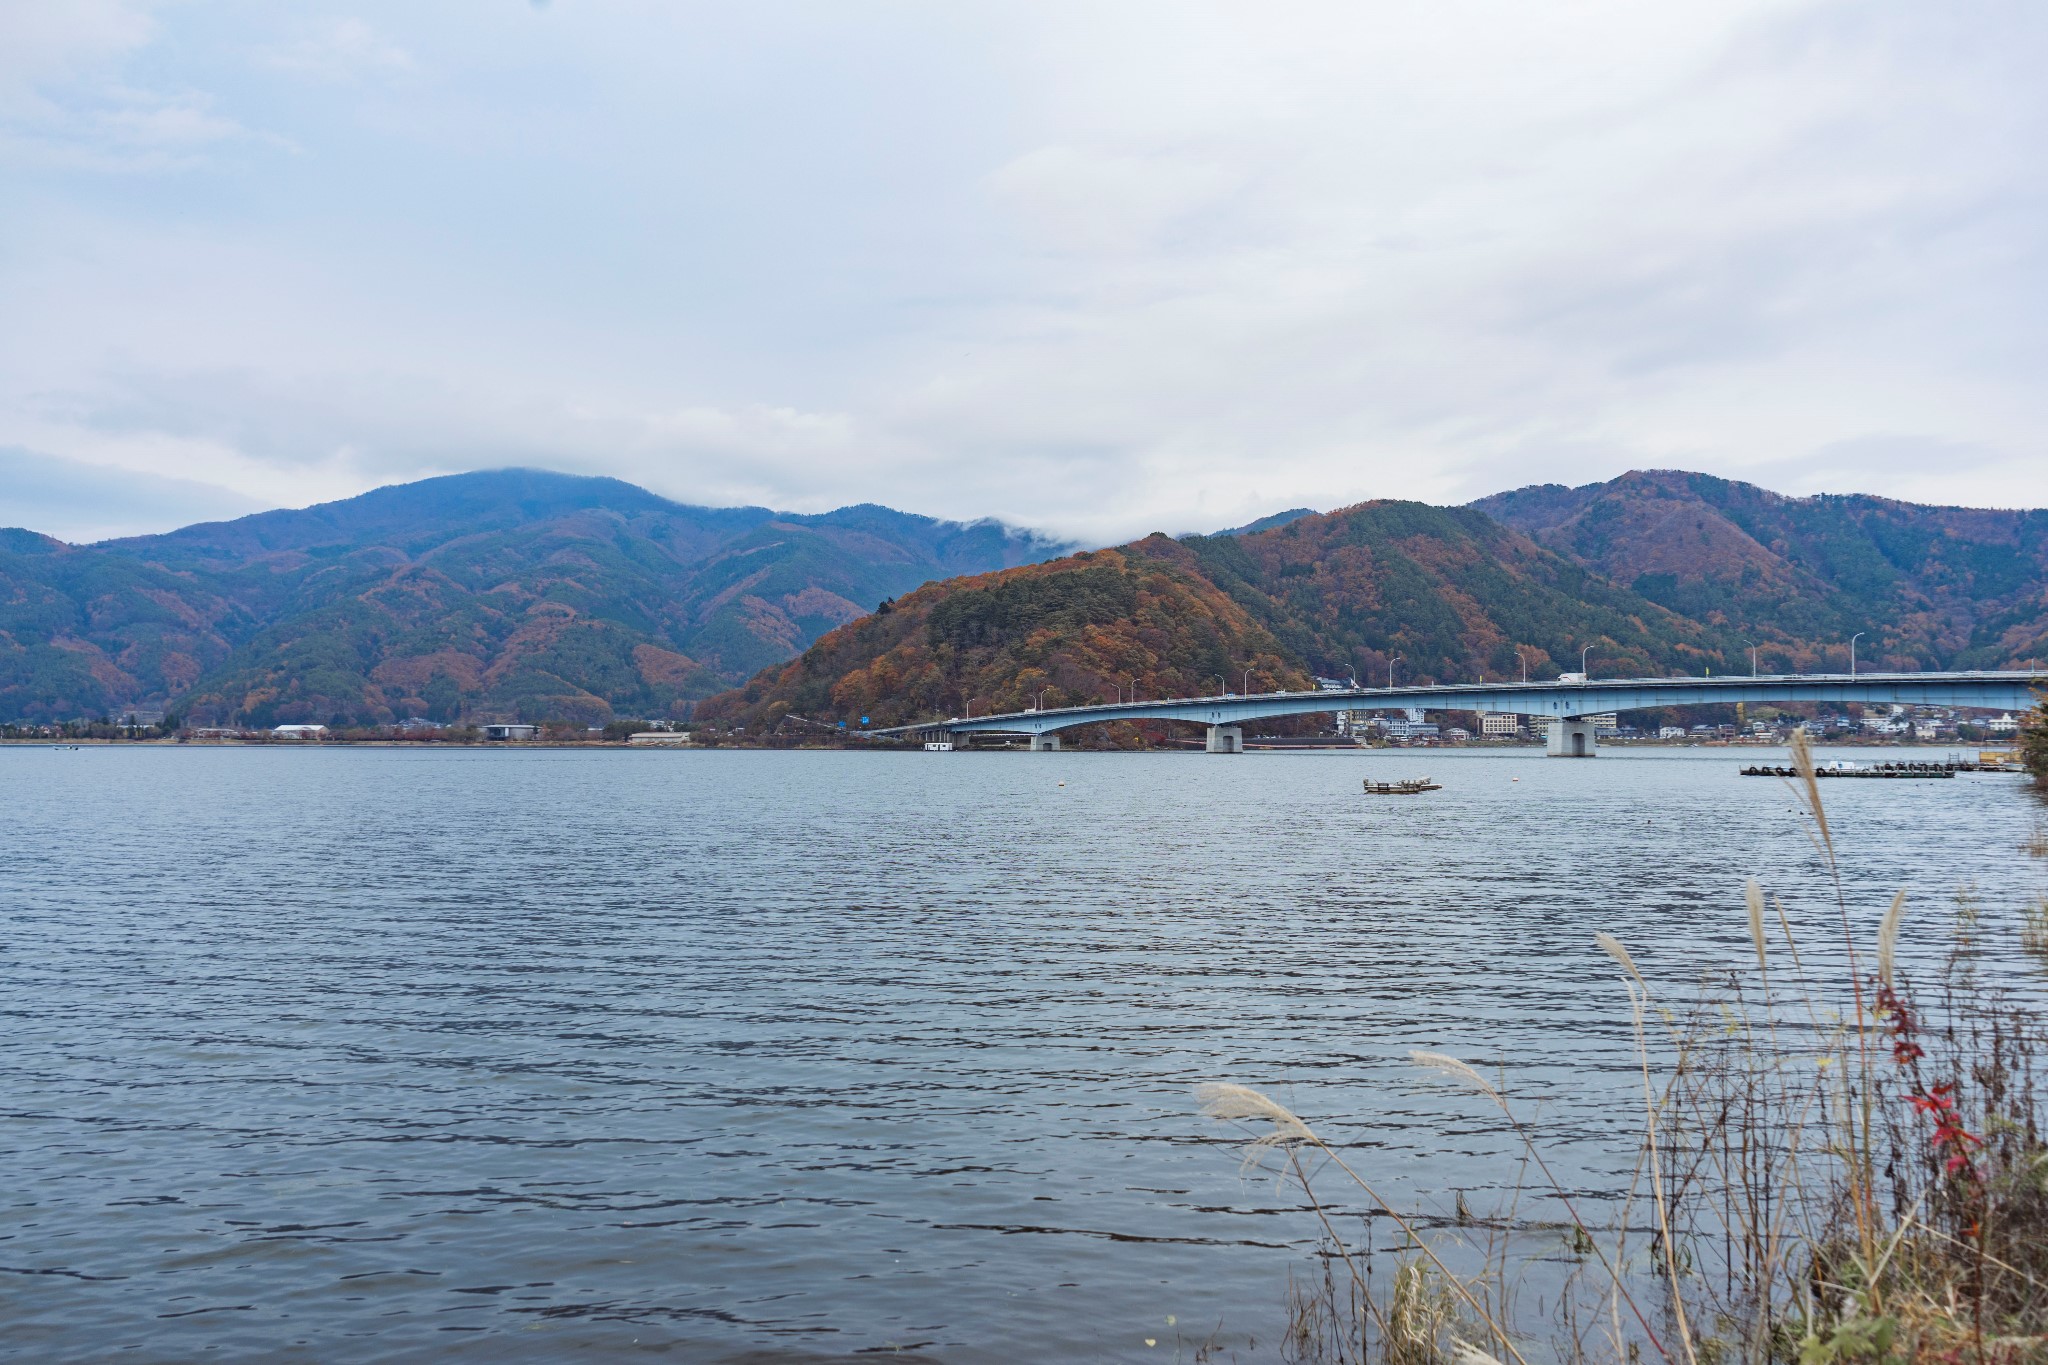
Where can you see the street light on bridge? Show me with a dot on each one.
(1222, 687)
(1247, 682)
(1583, 675)
(1390, 671)
(1852, 650)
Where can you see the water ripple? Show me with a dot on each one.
(390, 1055)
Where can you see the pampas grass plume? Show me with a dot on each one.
(1754, 894)
(1802, 763)
(1888, 938)
(1612, 946)
(1241, 1103)
(1437, 1061)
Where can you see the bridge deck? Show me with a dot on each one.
(1994, 691)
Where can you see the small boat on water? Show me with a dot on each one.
(1407, 786)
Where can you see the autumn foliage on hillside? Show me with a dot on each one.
(502, 594)
(1453, 595)
(1068, 633)
(1930, 587)
(1450, 594)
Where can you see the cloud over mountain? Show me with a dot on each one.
(1098, 269)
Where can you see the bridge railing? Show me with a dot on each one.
(1985, 689)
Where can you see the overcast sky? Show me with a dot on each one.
(1100, 268)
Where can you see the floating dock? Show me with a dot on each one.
(1895, 770)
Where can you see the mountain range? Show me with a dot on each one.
(1435, 594)
(1655, 572)
(1935, 587)
(521, 594)
(509, 593)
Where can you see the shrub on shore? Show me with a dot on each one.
(2034, 743)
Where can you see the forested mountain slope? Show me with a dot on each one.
(1933, 587)
(525, 594)
(513, 593)
(1137, 620)
(1453, 595)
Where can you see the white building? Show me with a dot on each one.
(298, 731)
(510, 731)
(2003, 725)
(1672, 732)
(1500, 725)
(1605, 723)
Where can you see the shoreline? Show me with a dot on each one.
(1251, 746)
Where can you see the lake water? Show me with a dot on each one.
(383, 1054)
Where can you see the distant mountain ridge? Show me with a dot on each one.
(510, 592)
(1653, 573)
(1267, 523)
(1442, 594)
(1932, 587)
(523, 594)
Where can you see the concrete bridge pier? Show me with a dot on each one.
(1045, 744)
(1572, 738)
(1226, 739)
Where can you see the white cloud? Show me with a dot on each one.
(340, 49)
(1105, 270)
(50, 44)
(65, 104)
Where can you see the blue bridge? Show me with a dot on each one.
(1569, 704)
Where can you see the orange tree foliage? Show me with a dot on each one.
(1066, 633)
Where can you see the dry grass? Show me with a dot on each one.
(2034, 929)
(1839, 1170)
